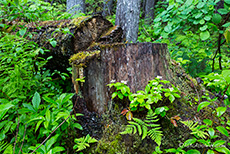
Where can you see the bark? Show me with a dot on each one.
(149, 11)
(107, 8)
(127, 16)
(75, 6)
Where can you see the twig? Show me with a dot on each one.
(5, 94)
(224, 93)
(23, 140)
(16, 134)
(219, 50)
(52, 132)
(148, 34)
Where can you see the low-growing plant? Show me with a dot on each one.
(83, 142)
(154, 92)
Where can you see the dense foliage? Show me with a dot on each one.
(33, 103)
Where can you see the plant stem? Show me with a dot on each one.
(52, 132)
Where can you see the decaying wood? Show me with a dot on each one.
(83, 32)
(135, 64)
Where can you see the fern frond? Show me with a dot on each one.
(155, 135)
(145, 130)
(128, 130)
(196, 129)
(138, 127)
(139, 121)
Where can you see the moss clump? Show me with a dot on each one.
(81, 58)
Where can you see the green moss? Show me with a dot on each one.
(81, 58)
(80, 21)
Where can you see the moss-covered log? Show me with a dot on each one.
(71, 36)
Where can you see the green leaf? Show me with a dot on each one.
(4, 107)
(51, 141)
(38, 124)
(57, 149)
(171, 98)
(218, 143)
(223, 149)
(171, 150)
(114, 95)
(120, 96)
(207, 17)
(78, 126)
(147, 89)
(210, 152)
(220, 111)
(227, 35)
(203, 28)
(36, 101)
(208, 122)
(53, 43)
(222, 11)
(216, 18)
(192, 152)
(211, 132)
(48, 115)
(222, 130)
(29, 106)
(145, 130)
(204, 35)
(200, 5)
(227, 1)
(189, 142)
(188, 3)
(226, 25)
(198, 15)
(49, 100)
(22, 31)
(123, 90)
(202, 21)
(202, 105)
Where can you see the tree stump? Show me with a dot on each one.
(135, 64)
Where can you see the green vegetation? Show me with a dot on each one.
(35, 108)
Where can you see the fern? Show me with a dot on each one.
(83, 142)
(196, 129)
(6, 147)
(145, 128)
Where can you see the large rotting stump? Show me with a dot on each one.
(135, 64)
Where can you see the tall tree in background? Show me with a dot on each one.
(149, 10)
(127, 16)
(107, 8)
(75, 6)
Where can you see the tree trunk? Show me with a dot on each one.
(149, 11)
(127, 16)
(134, 63)
(107, 8)
(75, 6)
